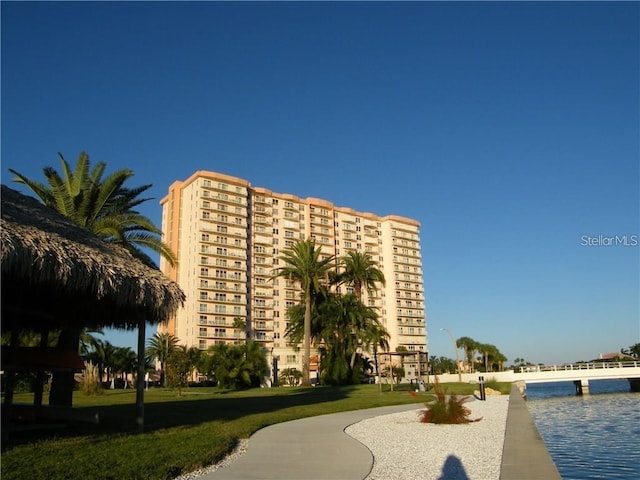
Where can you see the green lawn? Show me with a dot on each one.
(182, 433)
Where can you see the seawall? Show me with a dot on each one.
(524, 454)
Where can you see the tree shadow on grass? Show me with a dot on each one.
(190, 409)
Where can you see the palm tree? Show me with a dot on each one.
(88, 341)
(470, 347)
(303, 264)
(160, 347)
(488, 351)
(499, 359)
(125, 361)
(342, 324)
(360, 270)
(107, 208)
(104, 206)
(241, 326)
(238, 366)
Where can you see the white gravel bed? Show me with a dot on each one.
(239, 450)
(406, 449)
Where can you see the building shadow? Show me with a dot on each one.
(452, 469)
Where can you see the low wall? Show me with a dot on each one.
(506, 376)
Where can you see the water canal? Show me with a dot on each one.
(596, 436)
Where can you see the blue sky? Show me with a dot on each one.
(509, 130)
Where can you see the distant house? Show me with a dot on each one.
(615, 357)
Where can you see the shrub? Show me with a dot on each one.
(290, 377)
(446, 409)
(90, 383)
(24, 382)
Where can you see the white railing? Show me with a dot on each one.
(555, 373)
(579, 366)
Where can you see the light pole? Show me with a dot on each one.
(456, 349)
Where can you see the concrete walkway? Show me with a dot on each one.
(314, 448)
(317, 448)
(524, 455)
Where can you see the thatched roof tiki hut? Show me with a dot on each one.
(57, 275)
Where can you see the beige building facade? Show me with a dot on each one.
(228, 237)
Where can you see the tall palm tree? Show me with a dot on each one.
(160, 347)
(342, 324)
(488, 351)
(360, 324)
(304, 264)
(104, 206)
(470, 347)
(499, 359)
(361, 271)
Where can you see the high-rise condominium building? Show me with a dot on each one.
(228, 237)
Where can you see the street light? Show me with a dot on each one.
(456, 349)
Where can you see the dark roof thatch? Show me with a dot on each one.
(56, 271)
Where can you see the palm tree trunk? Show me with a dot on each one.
(306, 382)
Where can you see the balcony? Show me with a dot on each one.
(262, 210)
(263, 326)
(262, 239)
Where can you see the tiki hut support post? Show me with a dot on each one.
(140, 377)
(39, 387)
(79, 281)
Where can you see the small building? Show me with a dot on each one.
(58, 276)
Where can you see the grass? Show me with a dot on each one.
(182, 433)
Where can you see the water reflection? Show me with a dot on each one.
(593, 436)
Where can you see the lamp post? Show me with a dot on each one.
(456, 349)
